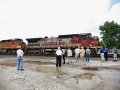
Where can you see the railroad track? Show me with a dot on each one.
(53, 55)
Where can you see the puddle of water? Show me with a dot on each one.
(100, 68)
(39, 62)
(9, 64)
(91, 68)
(48, 68)
(111, 68)
(83, 81)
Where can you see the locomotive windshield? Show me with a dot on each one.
(18, 40)
(83, 36)
(12, 40)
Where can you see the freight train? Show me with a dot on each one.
(49, 45)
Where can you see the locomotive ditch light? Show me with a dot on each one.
(90, 45)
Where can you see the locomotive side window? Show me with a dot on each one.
(30, 44)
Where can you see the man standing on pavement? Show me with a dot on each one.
(88, 51)
(115, 54)
(102, 54)
(82, 53)
(106, 54)
(63, 55)
(20, 54)
(69, 55)
(58, 57)
(77, 53)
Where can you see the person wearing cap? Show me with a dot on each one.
(20, 54)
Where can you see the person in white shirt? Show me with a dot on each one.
(20, 54)
(58, 57)
(77, 53)
(69, 55)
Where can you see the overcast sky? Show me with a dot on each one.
(40, 18)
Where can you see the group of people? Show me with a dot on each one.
(79, 55)
(104, 54)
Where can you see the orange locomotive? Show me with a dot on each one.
(10, 45)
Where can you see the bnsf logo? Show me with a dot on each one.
(50, 43)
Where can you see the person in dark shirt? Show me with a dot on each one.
(115, 54)
(63, 55)
(106, 53)
(102, 54)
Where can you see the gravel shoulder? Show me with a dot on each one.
(40, 73)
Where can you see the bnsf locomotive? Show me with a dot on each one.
(49, 45)
(10, 45)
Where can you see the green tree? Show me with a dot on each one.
(110, 33)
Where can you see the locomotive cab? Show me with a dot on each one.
(86, 40)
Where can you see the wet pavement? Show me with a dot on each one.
(41, 74)
(83, 81)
